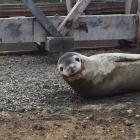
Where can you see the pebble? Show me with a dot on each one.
(99, 120)
(91, 117)
(65, 136)
(130, 111)
(76, 127)
(37, 126)
(57, 125)
(128, 123)
(137, 116)
(84, 125)
(20, 110)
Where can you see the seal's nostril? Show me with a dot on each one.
(72, 66)
(72, 70)
(61, 68)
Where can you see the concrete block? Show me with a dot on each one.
(59, 44)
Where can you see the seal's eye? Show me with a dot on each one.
(61, 68)
(77, 59)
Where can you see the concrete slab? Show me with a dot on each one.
(59, 44)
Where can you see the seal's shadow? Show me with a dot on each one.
(74, 97)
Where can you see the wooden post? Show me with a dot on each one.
(43, 20)
(69, 5)
(131, 6)
(73, 15)
(138, 14)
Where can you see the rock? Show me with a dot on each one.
(76, 127)
(65, 136)
(99, 120)
(128, 123)
(90, 108)
(57, 125)
(130, 111)
(84, 125)
(91, 117)
(137, 116)
(20, 110)
(37, 126)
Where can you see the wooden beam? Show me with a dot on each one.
(94, 8)
(131, 6)
(73, 15)
(138, 31)
(89, 27)
(42, 19)
(69, 5)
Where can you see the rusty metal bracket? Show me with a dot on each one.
(43, 20)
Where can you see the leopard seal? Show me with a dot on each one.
(99, 75)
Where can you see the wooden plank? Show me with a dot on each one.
(106, 27)
(7, 10)
(105, 7)
(43, 20)
(131, 6)
(16, 30)
(73, 15)
(91, 27)
(94, 8)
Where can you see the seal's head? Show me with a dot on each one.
(71, 65)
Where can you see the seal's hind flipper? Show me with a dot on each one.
(121, 59)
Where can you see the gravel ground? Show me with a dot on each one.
(35, 100)
(30, 82)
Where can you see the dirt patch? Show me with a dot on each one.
(36, 103)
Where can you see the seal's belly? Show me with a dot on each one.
(85, 87)
(124, 78)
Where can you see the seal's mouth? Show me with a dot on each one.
(73, 77)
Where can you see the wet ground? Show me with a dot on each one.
(36, 104)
